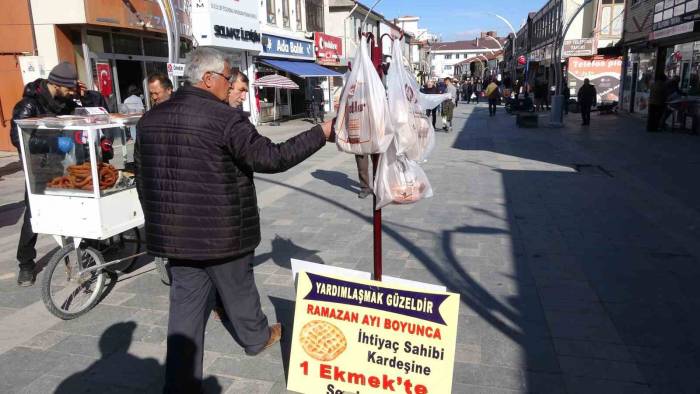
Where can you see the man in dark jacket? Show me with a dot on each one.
(587, 97)
(53, 96)
(195, 160)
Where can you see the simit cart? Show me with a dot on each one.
(95, 223)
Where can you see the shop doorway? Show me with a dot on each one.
(129, 73)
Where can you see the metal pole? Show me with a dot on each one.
(556, 116)
(515, 38)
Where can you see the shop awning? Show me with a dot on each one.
(301, 69)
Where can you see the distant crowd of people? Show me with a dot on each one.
(533, 96)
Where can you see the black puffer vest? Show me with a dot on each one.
(195, 159)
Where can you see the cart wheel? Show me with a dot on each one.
(66, 294)
(121, 246)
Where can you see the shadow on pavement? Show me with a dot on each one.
(337, 178)
(452, 275)
(284, 249)
(119, 371)
(609, 290)
(284, 311)
(11, 213)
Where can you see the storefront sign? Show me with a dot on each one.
(354, 335)
(236, 34)
(287, 47)
(684, 28)
(329, 49)
(176, 69)
(104, 78)
(602, 71)
(218, 23)
(580, 47)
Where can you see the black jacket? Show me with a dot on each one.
(586, 95)
(195, 159)
(36, 101)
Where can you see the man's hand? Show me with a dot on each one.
(329, 129)
(82, 88)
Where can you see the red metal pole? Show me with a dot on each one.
(377, 227)
(376, 54)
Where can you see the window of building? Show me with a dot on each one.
(314, 15)
(448, 56)
(271, 14)
(611, 17)
(285, 14)
(447, 67)
(298, 15)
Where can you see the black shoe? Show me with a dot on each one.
(363, 193)
(26, 277)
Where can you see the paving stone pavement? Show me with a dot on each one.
(570, 281)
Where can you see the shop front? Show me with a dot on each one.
(294, 59)
(121, 46)
(233, 31)
(676, 36)
(329, 51)
(638, 78)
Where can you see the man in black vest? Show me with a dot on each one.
(195, 160)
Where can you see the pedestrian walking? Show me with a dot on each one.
(477, 90)
(464, 90)
(470, 91)
(658, 95)
(587, 97)
(160, 88)
(448, 105)
(195, 160)
(493, 95)
(52, 96)
(430, 88)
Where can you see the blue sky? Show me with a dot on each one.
(460, 19)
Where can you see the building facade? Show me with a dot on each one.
(444, 56)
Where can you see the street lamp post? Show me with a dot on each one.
(515, 38)
(556, 116)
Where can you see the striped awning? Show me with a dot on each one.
(276, 81)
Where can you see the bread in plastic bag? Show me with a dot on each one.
(363, 125)
(399, 180)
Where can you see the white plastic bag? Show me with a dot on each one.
(403, 101)
(363, 124)
(399, 180)
(415, 134)
(425, 140)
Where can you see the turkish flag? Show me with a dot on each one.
(104, 77)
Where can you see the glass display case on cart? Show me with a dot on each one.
(81, 190)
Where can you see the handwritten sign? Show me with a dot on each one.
(363, 336)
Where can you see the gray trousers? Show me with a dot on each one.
(190, 305)
(363, 171)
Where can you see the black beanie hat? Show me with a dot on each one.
(64, 74)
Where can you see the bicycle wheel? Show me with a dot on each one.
(66, 293)
(121, 246)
